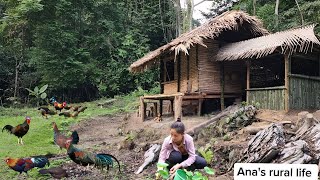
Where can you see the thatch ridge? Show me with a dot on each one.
(230, 20)
(293, 40)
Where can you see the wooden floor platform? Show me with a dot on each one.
(176, 102)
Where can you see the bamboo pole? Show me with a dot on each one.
(155, 104)
(160, 106)
(248, 81)
(177, 107)
(161, 75)
(200, 107)
(179, 72)
(222, 85)
(142, 109)
(286, 82)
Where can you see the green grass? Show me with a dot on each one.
(39, 139)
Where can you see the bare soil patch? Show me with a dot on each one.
(108, 134)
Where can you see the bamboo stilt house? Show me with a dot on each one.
(232, 57)
(191, 78)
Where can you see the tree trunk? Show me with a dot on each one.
(301, 16)
(177, 6)
(276, 12)
(190, 14)
(254, 2)
(16, 79)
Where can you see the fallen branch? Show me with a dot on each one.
(195, 130)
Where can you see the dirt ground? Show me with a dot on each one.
(108, 134)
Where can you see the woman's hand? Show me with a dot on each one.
(174, 168)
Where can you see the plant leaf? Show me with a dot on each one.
(30, 91)
(43, 88)
(209, 170)
(189, 173)
(43, 95)
(164, 174)
(36, 90)
(197, 177)
(160, 164)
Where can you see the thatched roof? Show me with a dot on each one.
(289, 41)
(231, 20)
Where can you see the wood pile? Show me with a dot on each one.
(272, 145)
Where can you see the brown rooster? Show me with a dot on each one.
(25, 164)
(46, 111)
(59, 106)
(20, 130)
(60, 139)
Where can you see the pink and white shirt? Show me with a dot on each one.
(168, 146)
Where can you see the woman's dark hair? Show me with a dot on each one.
(178, 126)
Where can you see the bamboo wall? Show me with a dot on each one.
(209, 70)
(304, 92)
(268, 98)
(193, 71)
(204, 72)
(171, 87)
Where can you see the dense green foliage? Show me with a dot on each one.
(289, 14)
(81, 48)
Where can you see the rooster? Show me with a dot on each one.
(25, 164)
(65, 106)
(69, 114)
(46, 111)
(57, 106)
(60, 139)
(20, 130)
(85, 158)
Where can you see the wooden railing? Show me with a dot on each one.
(268, 98)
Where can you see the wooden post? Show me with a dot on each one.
(171, 106)
(200, 107)
(155, 104)
(177, 107)
(142, 109)
(179, 72)
(222, 85)
(248, 80)
(161, 76)
(286, 82)
(197, 62)
(188, 66)
(160, 106)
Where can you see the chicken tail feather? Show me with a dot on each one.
(8, 128)
(75, 137)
